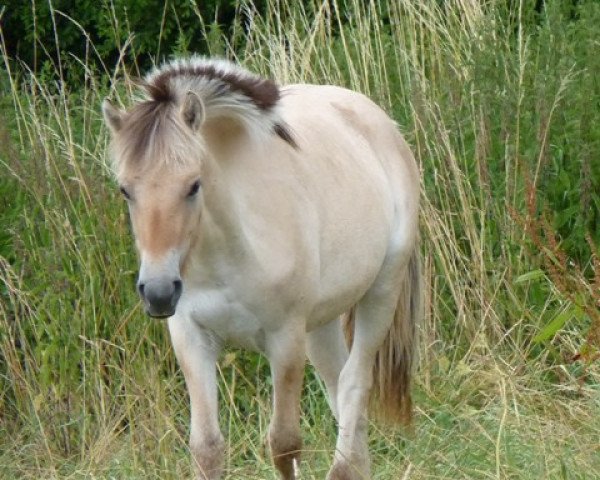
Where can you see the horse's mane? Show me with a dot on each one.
(220, 81)
(226, 90)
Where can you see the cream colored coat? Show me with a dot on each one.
(278, 243)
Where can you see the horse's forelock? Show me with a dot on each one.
(143, 127)
(151, 136)
(160, 92)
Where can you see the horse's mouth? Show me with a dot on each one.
(159, 315)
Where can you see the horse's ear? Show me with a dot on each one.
(112, 115)
(192, 111)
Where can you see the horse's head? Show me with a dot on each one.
(157, 155)
(160, 156)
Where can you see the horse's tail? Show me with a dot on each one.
(396, 358)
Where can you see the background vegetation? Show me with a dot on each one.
(500, 101)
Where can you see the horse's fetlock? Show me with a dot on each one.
(285, 448)
(208, 456)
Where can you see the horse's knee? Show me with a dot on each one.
(285, 448)
(208, 456)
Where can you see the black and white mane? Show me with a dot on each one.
(226, 90)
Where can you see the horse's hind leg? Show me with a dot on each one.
(327, 351)
(374, 315)
(287, 357)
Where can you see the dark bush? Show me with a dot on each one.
(36, 32)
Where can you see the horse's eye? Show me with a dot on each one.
(194, 189)
(125, 193)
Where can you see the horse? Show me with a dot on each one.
(274, 218)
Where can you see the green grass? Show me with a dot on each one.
(502, 109)
(506, 434)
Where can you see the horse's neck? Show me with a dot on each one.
(220, 223)
(222, 229)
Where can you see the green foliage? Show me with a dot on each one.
(67, 31)
(500, 102)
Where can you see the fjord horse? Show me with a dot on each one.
(263, 215)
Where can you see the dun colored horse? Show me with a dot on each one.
(266, 217)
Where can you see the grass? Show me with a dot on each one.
(501, 106)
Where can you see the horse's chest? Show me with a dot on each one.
(230, 319)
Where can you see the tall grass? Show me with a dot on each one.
(501, 107)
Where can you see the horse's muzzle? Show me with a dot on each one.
(160, 296)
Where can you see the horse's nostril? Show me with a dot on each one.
(177, 287)
(141, 289)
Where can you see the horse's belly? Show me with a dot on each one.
(345, 281)
(352, 253)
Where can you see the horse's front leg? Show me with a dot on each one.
(286, 353)
(197, 352)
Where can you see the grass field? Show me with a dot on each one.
(501, 104)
